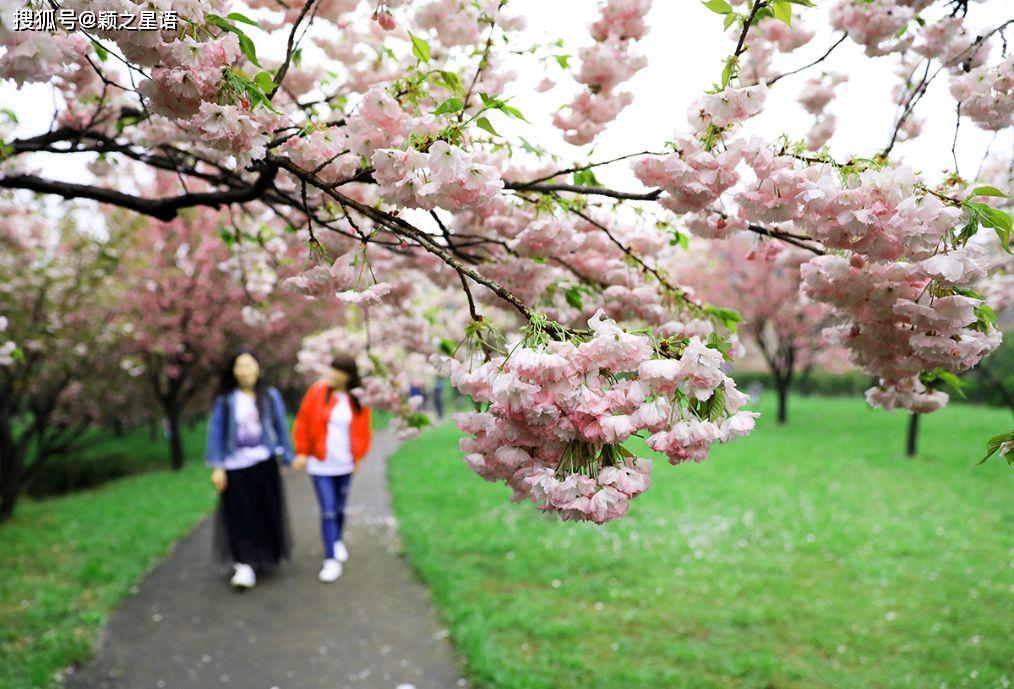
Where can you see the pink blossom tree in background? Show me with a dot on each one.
(55, 298)
(378, 126)
(196, 299)
(761, 281)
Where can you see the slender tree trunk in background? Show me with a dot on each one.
(10, 469)
(10, 483)
(913, 435)
(176, 458)
(782, 386)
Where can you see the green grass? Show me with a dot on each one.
(66, 562)
(802, 557)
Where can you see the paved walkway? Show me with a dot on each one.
(373, 629)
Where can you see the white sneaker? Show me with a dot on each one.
(340, 553)
(331, 570)
(244, 577)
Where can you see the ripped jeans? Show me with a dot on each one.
(332, 494)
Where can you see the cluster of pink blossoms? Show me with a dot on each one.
(445, 177)
(770, 36)
(234, 130)
(558, 413)
(878, 25)
(191, 76)
(343, 279)
(727, 107)
(893, 324)
(817, 93)
(604, 65)
(36, 57)
(692, 178)
(986, 94)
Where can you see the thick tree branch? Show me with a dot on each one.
(161, 209)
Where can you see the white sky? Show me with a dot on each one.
(685, 50)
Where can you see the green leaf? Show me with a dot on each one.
(728, 71)
(721, 344)
(513, 112)
(483, 123)
(948, 379)
(450, 105)
(995, 218)
(448, 347)
(987, 191)
(453, 82)
(679, 239)
(264, 81)
(969, 230)
(730, 317)
(418, 420)
(228, 236)
(993, 446)
(100, 51)
(573, 297)
(782, 10)
(985, 317)
(585, 178)
(718, 6)
(245, 44)
(420, 48)
(730, 19)
(237, 17)
(804, 3)
(563, 61)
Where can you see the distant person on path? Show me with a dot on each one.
(438, 397)
(247, 436)
(332, 434)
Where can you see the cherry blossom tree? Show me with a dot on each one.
(761, 280)
(55, 301)
(194, 300)
(379, 124)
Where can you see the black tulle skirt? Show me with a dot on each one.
(252, 522)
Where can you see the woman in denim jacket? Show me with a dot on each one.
(247, 437)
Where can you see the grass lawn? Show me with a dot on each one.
(802, 557)
(66, 562)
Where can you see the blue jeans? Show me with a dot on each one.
(332, 493)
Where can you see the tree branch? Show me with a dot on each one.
(162, 209)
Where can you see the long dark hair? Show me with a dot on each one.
(227, 383)
(347, 364)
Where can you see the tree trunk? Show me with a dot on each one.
(176, 458)
(10, 484)
(10, 469)
(913, 435)
(782, 386)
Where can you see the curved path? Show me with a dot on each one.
(373, 629)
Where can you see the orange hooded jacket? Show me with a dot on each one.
(309, 432)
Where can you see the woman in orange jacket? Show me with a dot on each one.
(331, 435)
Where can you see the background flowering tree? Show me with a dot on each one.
(55, 297)
(195, 299)
(761, 281)
(379, 124)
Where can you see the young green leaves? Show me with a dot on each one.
(987, 216)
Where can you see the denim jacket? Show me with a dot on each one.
(222, 428)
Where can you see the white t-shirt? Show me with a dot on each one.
(339, 444)
(250, 448)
